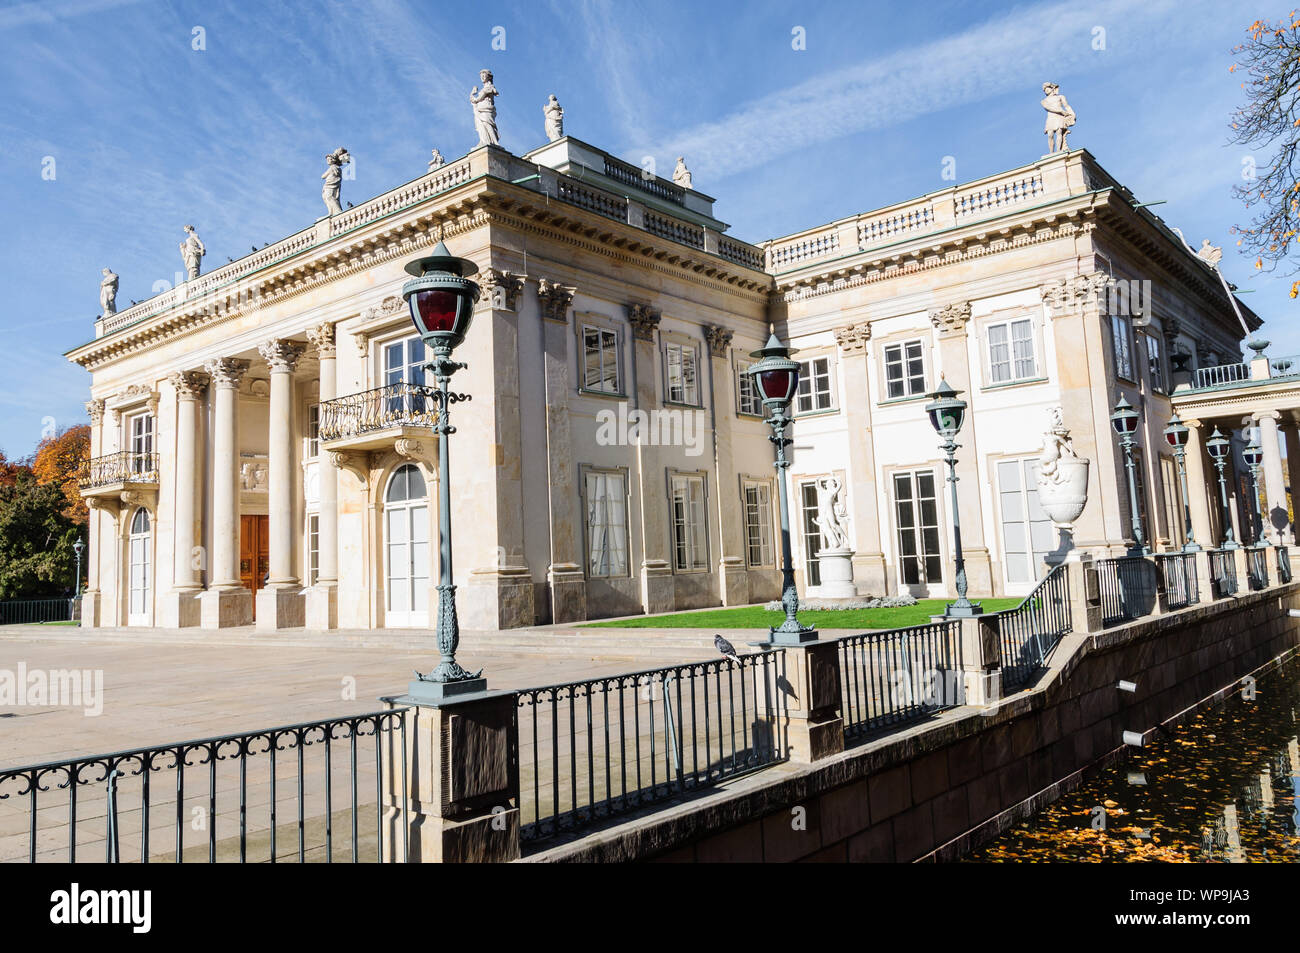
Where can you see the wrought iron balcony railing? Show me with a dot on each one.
(125, 466)
(383, 408)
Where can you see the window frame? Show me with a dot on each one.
(623, 473)
(1009, 322)
(583, 326)
(696, 533)
(684, 347)
(744, 380)
(767, 560)
(902, 344)
(832, 386)
(1121, 333)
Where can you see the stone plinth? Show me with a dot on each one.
(180, 608)
(225, 608)
(322, 607)
(836, 574)
(498, 599)
(813, 700)
(91, 600)
(981, 665)
(281, 607)
(568, 592)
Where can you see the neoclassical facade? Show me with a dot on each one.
(263, 450)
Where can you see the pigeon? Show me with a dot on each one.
(726, 648)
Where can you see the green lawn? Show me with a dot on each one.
(756, 617)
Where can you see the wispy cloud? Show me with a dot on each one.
(47, 11)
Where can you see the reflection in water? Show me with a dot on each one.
(1222, 787)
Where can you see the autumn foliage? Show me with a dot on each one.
(58, 460)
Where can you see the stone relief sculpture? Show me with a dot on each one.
(437, 162)
(1062, 474)
(108, 292)
(252, 477)
(832, 513)
(485, 109)
(333, 176)
(681, 174)
(1210, 253)
(554, 114)
(192, 251)
(1060, 117)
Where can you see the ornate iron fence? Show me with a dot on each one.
(1031, 630)
(1223, 573)
(393, 405)
(1257, 567)
(149, 795)
(899, 675)
(597, 748)
(1178, 579)
(1128, 588)
(1283, 564)
(33, 611)
(124, 466)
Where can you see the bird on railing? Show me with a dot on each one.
(349, 205)
(726, 648)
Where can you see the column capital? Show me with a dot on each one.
(952, 318)
(226, 371)
(719, 339)
(555, 300)
(853, 338)
(1073, 293)
(95, 408)
(1259, 415)
(501, 288)
(321, 338)
(189, 385)
(644, 321)
(281, 354)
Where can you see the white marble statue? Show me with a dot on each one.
(1060, 117)
(1210, 253)
(1057, 446)
(192, 251)
(832, 513)
(437, 162)
(681, 174)
(485, 109)
(554, 114)
(333, 176)
(108, 292)
(1062, 474)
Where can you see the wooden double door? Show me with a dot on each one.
(254, 553)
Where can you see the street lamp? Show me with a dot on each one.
(1125, 421)
(1254, 457)
(947, 413)
(1176, 434)
(1217, 446)
(776, 377)
(78, 547)
(441, 298)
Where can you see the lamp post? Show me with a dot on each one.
(78, 548)
(441, 298)
(947, 413)
(1176, 434)
(776, 377)
(1254, 457)
(1125, 420)
(1217, 446)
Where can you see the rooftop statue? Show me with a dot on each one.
(437, 162)
(554, 114)
(1060, 117)
(485, 109)
(333, 176)
(108, 292)
(1210, 253)
(681, 174)
(192, 251)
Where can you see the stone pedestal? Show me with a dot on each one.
(226, 608)
(836, 574)
(462, 784)
(658, 588)
(980, 682)
(871, 575)
(1085, 593)
(322, 606)
(90, 603)
(813, 701)
(1242, 563)
(281, 607)
(180, 608)
(735, 581)
(501, 599)
(1204, 577)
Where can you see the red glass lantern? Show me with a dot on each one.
(441, 297)
(775, 375)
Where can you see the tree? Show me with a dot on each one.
(1270, 119)
(36, 539)
(58, 461)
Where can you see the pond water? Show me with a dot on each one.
(1220, 788)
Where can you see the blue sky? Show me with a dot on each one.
(148, 133)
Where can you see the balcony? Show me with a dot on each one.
(116, 473)
(376, 419)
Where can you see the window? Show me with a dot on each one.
(404, 364)
(812, 534)
(681, 364)
(313, 549)
(140, 442)
(600, 361)
(1026, 529)
(1121, 331)
(758, 523)
(139, 578)
(606, 494)
(815, 389)
(1155, 366)
(313, 431)
(1011, 351)
(690, 533)
(904, 369)
(748, 400)
(917, 515)
(406, 548)
(1139, 480)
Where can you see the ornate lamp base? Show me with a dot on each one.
(420, 691)
(969, 611)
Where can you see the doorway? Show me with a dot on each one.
(254, 553)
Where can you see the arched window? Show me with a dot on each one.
(406, 548)
(140, 548)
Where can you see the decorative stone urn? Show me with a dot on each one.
(1063, 498)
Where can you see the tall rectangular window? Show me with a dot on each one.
(747, 399)
(600, 361)
(916, 513)
(1011, 351)
(758, 523)
(404, 364)
(1155, 367)
(816, 390)
(313, 549)
(313, 431)
(1026, 530)
(140, 442)
(690, 526)
(1121, 330)
(812, 534)
(606, 497)
(904, 369)
(681, 366)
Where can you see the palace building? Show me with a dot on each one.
(263, 449)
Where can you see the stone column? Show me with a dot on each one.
(733, 577)
(227, 602)
(90, 599)
(951, 323)
(280, 603)
(869, 572)
(180, 605)
(322, 605)
(1276, 520)
(1201, 492)
(658, 586)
